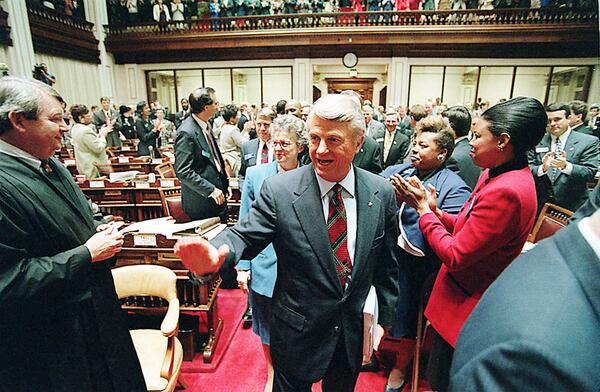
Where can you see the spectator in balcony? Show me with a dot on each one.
(291, 6)
(401, 5)
(225, 8)
(373, 5)
(215, 9)
(177, 10)
(133, 13)
(89, 145)
(486, 4)
(161, 14)
(329, 6)
(304, 6)
(318, 6)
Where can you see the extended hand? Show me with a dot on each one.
(243, 277)
(218, 196)
(199, 256)
(413, 192)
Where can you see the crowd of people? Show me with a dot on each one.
(337, 197)
(146, 11)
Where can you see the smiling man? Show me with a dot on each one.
(333, 228)
(61, 326)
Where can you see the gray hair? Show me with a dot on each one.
(290, 124)
(267, 113)
(339, 108)
(20, 95)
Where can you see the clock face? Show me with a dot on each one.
(350, 60)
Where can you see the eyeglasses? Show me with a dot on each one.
(283, 144)
(291, 110)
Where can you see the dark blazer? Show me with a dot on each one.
(147, 136)
(461, 163)
(369, 156)
(374, 128)
(583, 129)
(126, 125)
(59, 313)
(99, 119)
(398, 151)
(196, 169)
(249, 155)
(536, 328)
(568, 191)
(404, 126)
(590, 206)
(180, 116)
(310, 308)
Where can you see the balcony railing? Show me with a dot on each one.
(42, 13)
(397, 19)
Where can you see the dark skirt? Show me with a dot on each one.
(440, 360)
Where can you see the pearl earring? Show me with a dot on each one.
(440, 157)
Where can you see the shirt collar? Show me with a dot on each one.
(203, 124)
(347, 183)
(562, 138)
(589, 235)
(459, 139)
(517, 163)
(16, 152)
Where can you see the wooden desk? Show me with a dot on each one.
(194, 299)
(133, 201)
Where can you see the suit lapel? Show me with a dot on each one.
(368, 207)
(307, 207)
(201, 139)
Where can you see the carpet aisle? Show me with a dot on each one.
(242, 368)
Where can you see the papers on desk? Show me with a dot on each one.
(167, 227)
(123, 176)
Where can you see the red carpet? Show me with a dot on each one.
(231, 306)
(238, 365)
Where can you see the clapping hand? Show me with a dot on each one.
(414, 193)
(559, 161)
(199, 256)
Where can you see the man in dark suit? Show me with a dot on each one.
(258, 151)
(404, 123)
(334, 230)
(577, 115)
(460, 162)
(536, 328)
(394, 144)
(104, 116)
(198, 161)
(563, 162)
(61, 325)
(183, 113)
(368, 156)
(592, 204)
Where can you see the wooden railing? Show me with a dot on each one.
(59, 34)
(497, 17)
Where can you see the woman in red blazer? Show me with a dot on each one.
(489, 231)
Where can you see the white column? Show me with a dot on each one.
(97, 13)
(303, 77)
(20, 56)
(398, 75)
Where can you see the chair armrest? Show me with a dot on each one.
(171, 320)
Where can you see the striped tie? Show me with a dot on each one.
(264, 155)
(338, 235)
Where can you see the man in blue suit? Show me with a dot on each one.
(537, 327)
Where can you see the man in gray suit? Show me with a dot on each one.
(577, 115)
(334, 231)
(536, 328)
(373, 126)
(107, 116)
(460, 162)
(393, 143)
(563, 162)
(258, 151)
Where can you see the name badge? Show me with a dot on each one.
(541, 150)
(249, 156)
(206, 154)
(379, 140)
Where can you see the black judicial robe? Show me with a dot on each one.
(61, 327)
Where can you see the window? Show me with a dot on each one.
(460, 85)
(425, 84)
(246, 85)
(162, 89)
(531, 82)
(494, 83)
(277, 84)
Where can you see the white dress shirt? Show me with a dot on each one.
(261, 143)
(16, 152)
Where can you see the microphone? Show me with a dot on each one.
(151, 150)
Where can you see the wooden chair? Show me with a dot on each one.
(165, 170)
(551, 219)
(159, 351)
(422, 328)
(171, 202)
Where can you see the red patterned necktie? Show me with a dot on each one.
(264, 155)
(338, 235)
